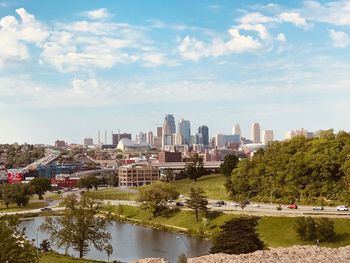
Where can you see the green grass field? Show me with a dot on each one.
(212, 184)
(15, 208)
(55, 258)
(111, 194)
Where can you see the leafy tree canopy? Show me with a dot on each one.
(156, 196)
(299, 169)
(238, 236)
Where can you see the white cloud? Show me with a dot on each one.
(281, 37)
(192, 49)
(255, 18)
(261, 29)
(97, 14)
(16, 34)
(335, 12)
(292, 17)
(339, 38)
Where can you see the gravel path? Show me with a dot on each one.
(295, 254)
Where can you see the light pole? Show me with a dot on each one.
(183, 241)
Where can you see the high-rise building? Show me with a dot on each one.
(116, 137)
(159, 132)
(141, 137)
(150, 138)
(88, 142)
(255, 133)
(204, 130)
(168, 130)
(299, 132)
(236, 130)
(184, 129)
(267, 136)
(220, 140)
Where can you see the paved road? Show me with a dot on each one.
(270, 209)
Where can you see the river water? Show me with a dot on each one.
(131, 242)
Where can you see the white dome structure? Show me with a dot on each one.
(127, 145)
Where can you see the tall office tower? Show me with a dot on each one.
(150, 138)
(116, 137)
(255, 132)
(184, 129)
(267, 136)
(142, 137)
(168, 130)
(205, 134)
(236, 130)
(88, 142)
(159, 132)
(220, 140)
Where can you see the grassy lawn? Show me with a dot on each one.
(212, 184)
(274, 231)
(55, 258)
(15, 208)
(111, 194)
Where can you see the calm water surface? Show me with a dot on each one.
(131, 242)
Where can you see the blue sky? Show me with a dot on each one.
(71, 68)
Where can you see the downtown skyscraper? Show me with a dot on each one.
(184, 129)
(168, 130)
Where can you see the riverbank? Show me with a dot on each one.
(274, 231)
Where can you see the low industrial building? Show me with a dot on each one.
(137, 174)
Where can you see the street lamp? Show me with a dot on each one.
(183, 241)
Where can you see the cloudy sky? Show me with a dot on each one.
(71, 68)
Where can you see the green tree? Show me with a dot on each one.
(89, 182)
(194, 167)
(15, 193)
(109, 250)
(300, 227)
(305, 228)
(230, 163)
(169, 175)
(325, 229)
(14, 247)
(238, 236)
(7, 194)
(79, 226)
(197, 201)
(39, 186)
(22, 194)
(156, 196)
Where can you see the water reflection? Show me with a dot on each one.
(131, 242)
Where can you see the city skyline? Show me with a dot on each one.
(68, 70)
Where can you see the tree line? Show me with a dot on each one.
(300, 169)
(20, 193)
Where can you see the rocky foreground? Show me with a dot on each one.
(304, 254)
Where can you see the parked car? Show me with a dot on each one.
(342, 208)
(221, 202)
(216, 204)
(255, 205)
(235, 204)
(292, 206)
(318, 208)
(45, 209)
(180, 204)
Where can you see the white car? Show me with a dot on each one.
(255, 205)
(235, 204)
(342, 208)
